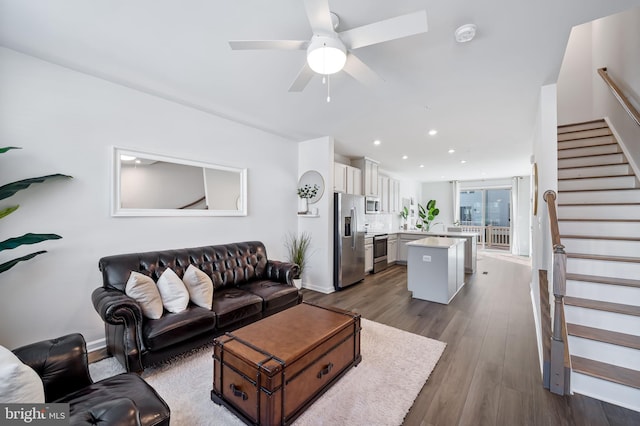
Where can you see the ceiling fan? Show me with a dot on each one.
(330, 51)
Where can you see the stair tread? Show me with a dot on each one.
(606, 336)
(597, 189)
(599, 120)
(604, 257)
(602, 306)
(630, 203)
(597, 177)
(585, 146)
(598, 237)
(577, 219)
(602, 370)
(590, 166)
(604, 280)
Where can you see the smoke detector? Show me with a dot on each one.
(465, 33)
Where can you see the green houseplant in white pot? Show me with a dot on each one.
(297, 250)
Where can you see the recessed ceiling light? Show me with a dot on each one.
(422, 166)
(433, 132)
(465, 33)
(451, 151)
(377, 142)
(138, 161)
(463, 161)
(124, 157)
(404, 157)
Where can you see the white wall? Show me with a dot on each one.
(545, 155)
(317, 154)
(612, 42)
(66, 122)
(443, 194)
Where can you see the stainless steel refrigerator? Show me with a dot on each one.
(348, 239)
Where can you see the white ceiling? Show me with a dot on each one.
(481, 96)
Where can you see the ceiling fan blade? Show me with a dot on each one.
(269, 44)
(389, 29)
(303, 78)
(361, 71)
(319, 16)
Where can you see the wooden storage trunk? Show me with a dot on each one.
(270, 371)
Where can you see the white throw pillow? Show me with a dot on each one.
(143, 290)
(175, 296)
(199, 286)
(19, 383)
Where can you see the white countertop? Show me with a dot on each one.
(430, 233)
(436, 242)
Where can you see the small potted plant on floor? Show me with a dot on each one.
(297, 248)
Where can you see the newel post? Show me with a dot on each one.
(557, 342)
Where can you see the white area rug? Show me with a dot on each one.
(379, 391)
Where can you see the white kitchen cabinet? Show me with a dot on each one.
(368, 255)
(369, 169)
(392, 248)
(347, 179)
(340, 177)
(354, 180)
(383, 188)
(403, 239)
(389, 194)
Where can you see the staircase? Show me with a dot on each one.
(599, 220)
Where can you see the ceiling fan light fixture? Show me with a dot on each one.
(326, 55)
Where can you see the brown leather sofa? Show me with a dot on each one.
(247, 287)
(125, 399)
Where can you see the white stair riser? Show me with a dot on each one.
(614, 393)
(599, 197)
(580, 143)
(609, 170)
(622, 182)
(629, 211)
(604, 268)
(601, 229)
(604, 292)
(591, 150)
(602, 247)
(584, 134)
(621, 356)
(592, 161)
(581, 126)
(611, 321)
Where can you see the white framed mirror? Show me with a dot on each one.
(146, 184)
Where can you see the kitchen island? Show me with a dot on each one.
(470, 250)
(435, 268)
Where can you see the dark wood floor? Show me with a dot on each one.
(489, 373)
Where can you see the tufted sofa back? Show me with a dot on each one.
(226, 264)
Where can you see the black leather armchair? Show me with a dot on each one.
(125, 399)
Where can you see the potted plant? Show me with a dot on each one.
(297, 248)
(304, 193)
(404, 214)
(7, 191)
(427, 214)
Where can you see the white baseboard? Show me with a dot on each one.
(319, 289)
(96, 345)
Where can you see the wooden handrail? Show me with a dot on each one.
(553, 216)
(192, 204)
(624, 101)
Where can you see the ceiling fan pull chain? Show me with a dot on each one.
(328, 89)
